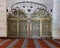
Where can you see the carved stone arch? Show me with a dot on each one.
(41, 13)
(17, 13)
(20, 25)
(18, 3)
(17, 7)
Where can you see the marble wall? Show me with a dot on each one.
(3, 21)
(56, 19)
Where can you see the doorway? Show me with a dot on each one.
(35, 28)
(21, 28)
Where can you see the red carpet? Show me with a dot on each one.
(43, 44)
(1, 40)
(54, 43)
(31, 43)
(7, 43)
(18, 44)
(4, 43)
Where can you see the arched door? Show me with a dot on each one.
(21, 12)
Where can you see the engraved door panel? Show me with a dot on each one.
(35, 28)
(23, 28)
(12, 28)
(46, 28)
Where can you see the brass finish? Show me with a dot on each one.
(23, 28)
(12, 28)
(29, 32)
(40, 28)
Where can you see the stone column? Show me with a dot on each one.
(3, 19)
(29, 19)
(41, 28)
(56, 19)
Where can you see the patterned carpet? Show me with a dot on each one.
(29, 43)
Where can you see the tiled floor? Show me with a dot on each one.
(29, 43)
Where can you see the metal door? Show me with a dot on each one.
(12, 28)
(35, 28)
(23, 28)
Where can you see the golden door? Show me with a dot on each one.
(22, 29)
(12, 28)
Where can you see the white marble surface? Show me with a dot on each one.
(3, 20)
(56, 19)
